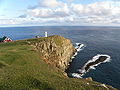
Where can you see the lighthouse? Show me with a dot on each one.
(46, 34)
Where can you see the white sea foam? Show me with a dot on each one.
(76, 75)
(75, 53)
(92, 67)
(79, 47)
(72, 57)
(78, 44)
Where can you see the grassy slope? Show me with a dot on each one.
(22, 69)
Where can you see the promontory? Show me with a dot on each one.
(39, 64)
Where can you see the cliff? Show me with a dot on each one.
(55, 50)
(23, 66)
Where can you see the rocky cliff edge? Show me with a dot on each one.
(55, 50)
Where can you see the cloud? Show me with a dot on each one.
(69, 0)
(50, 3)
(106, 8)
(8, 21)
(91, 9)
(99, 12)
(105, 12)
(50, 13)
(59, 13)
(47, 4)
(117, 21)
(22, 16)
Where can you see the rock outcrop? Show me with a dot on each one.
(89, 79)
(55, 50)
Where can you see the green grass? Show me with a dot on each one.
(22, 69)
(57, 39)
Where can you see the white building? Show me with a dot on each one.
(46, 34)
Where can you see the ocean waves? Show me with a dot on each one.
(79, 47)
(90, 64)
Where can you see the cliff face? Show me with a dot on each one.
(55, 50)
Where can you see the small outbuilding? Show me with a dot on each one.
(5, 39)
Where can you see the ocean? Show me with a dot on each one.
(97, 40)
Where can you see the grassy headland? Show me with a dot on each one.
(22, 68)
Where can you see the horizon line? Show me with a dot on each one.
(58, 26)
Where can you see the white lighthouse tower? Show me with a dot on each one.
(46, 34)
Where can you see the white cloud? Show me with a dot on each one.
(100, 12)
(50, 3)
(69, 0)
(117, 21)
(91, 9)
(50, 13)
(56, 12)
(8, 22)
(106, 8)
(47, 4)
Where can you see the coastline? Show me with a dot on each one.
(90, 64)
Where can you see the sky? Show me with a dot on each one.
(59, 13)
